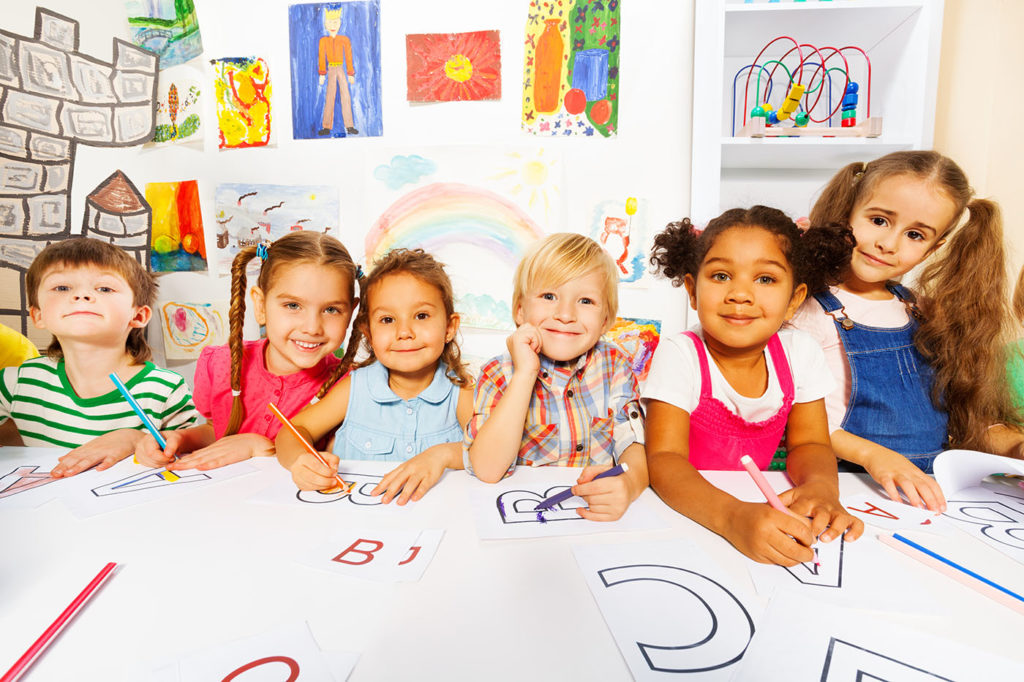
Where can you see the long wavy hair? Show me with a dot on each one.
(962, 291)
(424, 267)
(292, 249)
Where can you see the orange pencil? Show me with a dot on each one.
(309, 448)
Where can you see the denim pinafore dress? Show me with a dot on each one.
(890, 384)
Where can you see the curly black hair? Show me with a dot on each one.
(819, 255)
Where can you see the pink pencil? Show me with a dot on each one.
(37, 648)
(769, 494)
(762, 484)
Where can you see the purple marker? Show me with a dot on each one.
(558, 498)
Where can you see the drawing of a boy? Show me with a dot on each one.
(335, 64)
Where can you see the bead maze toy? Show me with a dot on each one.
(817, 88)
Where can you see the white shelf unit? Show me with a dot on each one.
(902, 40)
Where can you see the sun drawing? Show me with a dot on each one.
(532, 177)
(446, 67)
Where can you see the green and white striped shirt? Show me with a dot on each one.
(48, 412)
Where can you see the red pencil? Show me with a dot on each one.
(37, 648)
(313, 451)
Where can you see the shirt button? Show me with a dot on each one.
(633, 415)
(544, 374)
(368, 444)
(569, 393)
(267, 417)
(408, 448)
(579, 448)
(408, 410)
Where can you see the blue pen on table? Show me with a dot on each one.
(558, 498)
(954, 570)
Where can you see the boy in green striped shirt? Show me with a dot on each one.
(96, 300)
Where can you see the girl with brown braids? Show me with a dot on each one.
(409, 401)
(918, 372)
(304, 297)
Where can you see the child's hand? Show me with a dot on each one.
(102, 452)
(769, 536)
(820, 502)
(148, 452)
(894, 471)
(524, 345)
(227, 450)
(309, 474)
(414, 477)
(607, 498)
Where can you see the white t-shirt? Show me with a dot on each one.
(675, 376)
(812, 319)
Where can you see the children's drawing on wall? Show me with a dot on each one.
(189, 327)
(453, 67)
(242, 88)
(251, 214)
(571, 72)
(336, 77)
(179, 107)
(638, 337)
(55, 98)
(620, 227)
(116, 212)
(476, 211)
(177, 237)
(168, 28)
(471, 230)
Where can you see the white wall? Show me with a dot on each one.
(649, 158)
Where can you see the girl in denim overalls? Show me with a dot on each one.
(917, 373)
(736, 385)
(408, 402)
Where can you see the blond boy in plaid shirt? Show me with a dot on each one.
(561, 396)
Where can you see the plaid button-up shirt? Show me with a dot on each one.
(584, 412)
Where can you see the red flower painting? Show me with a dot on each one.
(453, 67)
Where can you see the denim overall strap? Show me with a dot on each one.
(890, 385)
(719, 436)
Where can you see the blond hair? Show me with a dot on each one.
(563, 256)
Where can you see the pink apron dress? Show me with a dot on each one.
(719, 437)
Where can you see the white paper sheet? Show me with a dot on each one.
(881, 512)
(507, 509)
(366, 476)
(855, 573)
(995, 517)
(376, 554)
(840, 645)
(275, 655)
(25, 481)
(671, 610)
(127, 484)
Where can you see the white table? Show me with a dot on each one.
(210, 566)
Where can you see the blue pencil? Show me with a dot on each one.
(146, 421)
(558, 498)
(940, 563)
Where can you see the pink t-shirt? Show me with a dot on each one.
(811, 318)
(292, 392)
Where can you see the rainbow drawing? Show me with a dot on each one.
(444, 213)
